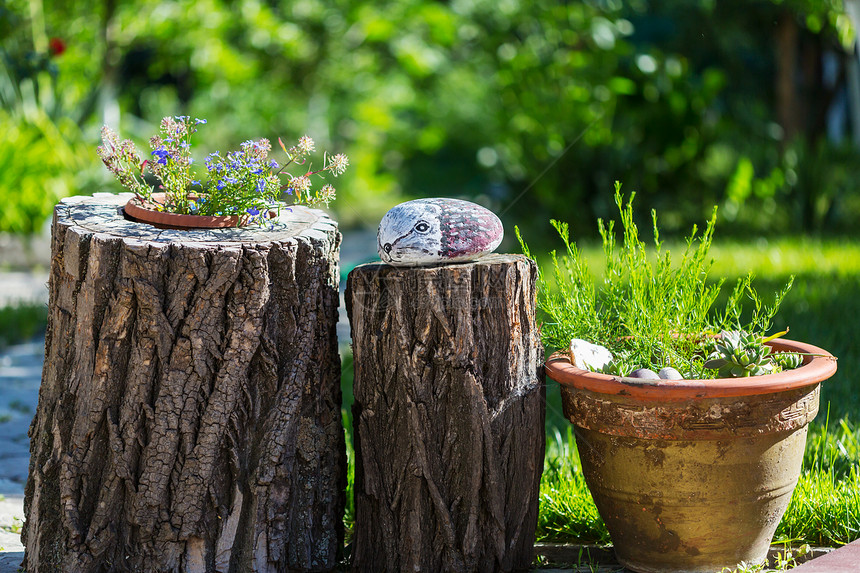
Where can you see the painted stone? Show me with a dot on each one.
(428, 231)
(589, 356)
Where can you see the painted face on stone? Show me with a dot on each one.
(437, 230)
(409, 234)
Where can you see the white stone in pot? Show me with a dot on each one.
(589, 356)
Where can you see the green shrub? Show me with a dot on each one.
(39, 160)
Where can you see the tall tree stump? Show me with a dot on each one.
(448, 416)
(189, 416)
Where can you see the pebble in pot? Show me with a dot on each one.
(429, 231)
(669, 373)
(644, 374)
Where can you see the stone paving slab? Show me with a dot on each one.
(25, 253)
(23, 287)
(20, 376)
(11, 550)
(10, 561)
(846, 559)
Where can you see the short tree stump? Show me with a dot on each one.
(189, 416)
(448, 416)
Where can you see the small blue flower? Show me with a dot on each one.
(273, 164)
(161, 154)
(220, 184)
(195, 182)
(198, 121)
(261, 185)
(252, 211)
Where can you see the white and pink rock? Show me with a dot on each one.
(430, 231)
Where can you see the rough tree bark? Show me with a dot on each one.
(448, 416)
(189, 413)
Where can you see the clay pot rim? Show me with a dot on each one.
(814, 370)
(136, 209)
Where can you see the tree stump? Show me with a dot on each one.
(448, 416)
(189, 415)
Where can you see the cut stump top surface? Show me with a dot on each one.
(379, 268)
(103, 213)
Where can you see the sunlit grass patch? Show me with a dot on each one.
(567, 510)
(825, 507)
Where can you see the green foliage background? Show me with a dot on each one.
(534, 108)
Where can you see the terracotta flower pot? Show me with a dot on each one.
(692, 475)
(146, 213)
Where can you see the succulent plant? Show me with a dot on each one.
(788, 360)
(739, 354)
(615, 367)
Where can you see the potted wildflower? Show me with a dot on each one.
(240, 187)
(690, 423)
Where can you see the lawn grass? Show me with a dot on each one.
(567, 511)
(825, 507)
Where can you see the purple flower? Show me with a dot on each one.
(198, 121)
(273, 164)
(220, 185)
(261, 185)
(252, 211)
(195, 182)
(161, 154)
